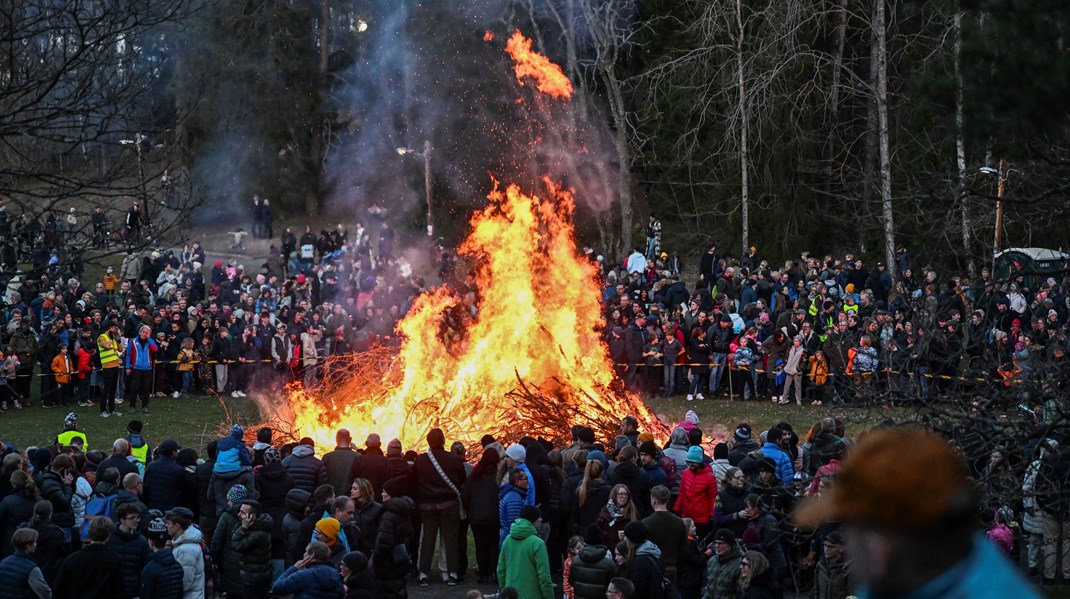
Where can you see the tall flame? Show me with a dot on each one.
(530, 362)
(549, 78)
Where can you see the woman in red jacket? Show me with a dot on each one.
(698, 490)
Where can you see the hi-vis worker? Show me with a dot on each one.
(71, 432)
(110, 351)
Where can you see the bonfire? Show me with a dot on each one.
(526, 359)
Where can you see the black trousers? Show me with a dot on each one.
(111, 385)
(139, 386)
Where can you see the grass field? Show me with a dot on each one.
(193, 421)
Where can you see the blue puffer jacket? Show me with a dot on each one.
(162, 578)
(510, 503)
(133, 550)
(784, 469)
(232, 455)
(318, 581)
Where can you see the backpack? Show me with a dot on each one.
(98, 507)
(669, 466)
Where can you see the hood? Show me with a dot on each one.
(403, 506)
(296, 502)
(508, 488)
(104, 489)
(263, 523)
(522, 529)
(163, 557)
(260, 446)
(592, 554)
(136, 440)
(303, 451)
(192, 536)
(649, 548)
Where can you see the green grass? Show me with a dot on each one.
(193, 421)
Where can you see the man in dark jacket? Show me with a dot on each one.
(106, 567)
(372, 465)
(162, 576)
(306, 469)
(593, 568)
(56, 484)
(118, 459)
(341, 462)
(165, 480)
(132, 548)
(438, 477)
(205, 508)
(252, 541)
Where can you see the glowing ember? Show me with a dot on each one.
(549, 78)
(488, 36)
(529, 363)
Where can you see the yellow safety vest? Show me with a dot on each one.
(107, 355)
(140, 454)
(65, 437)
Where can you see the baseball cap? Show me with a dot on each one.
(898, 480)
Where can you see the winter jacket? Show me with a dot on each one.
(317, 581)
(722, 575)
(726, 507)
(186, 549)
(395, 528)
(366, 519)
(668, 532)
(232, 456)
(226, 557)
(296, 507)
(106, 581)
(133, 549)
(51, 550)
(592, 569)
(162, 577)
(140, 355)
(698, 490)
(769, 530)
(361, 583)
(273, 483)
(15, 572)
(205, 498)
(785, 471)
(430, 488)
(339, 464)
(253, 545)
(524, 564)
(307, 471)
(59, 494)
(632, 476)
(510, 504)
(372, 466)
(597, 496)
(166, 484)
(645, 571)
(15, 509)
(481, 498)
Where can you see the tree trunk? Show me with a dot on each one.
(624, 153)
(312, 199)
(960, 150)
(888, 216)
(744, 132)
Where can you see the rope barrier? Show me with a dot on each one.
(830, 374)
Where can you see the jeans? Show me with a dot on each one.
(699, 376)
(187, 381)
(669, 375)
(923, 380)
(1056, 532)
(719, 363)
(651, 246)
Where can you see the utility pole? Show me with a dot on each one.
(427, 187)
(1000, 190)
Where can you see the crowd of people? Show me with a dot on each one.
(767, 513)
(626, 516)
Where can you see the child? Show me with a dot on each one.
(9, 363)
(62, 370)
(819, 374)
(575, 544)
(84, 357)
(238, 235)
(185, 366)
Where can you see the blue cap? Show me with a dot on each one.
(695, 455)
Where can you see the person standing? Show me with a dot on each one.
(162, 576)
(131, 547)
(105, 565)
(19, 573)
(667, 531)
(524, 564)
(698, 491)
(62, 369)
(140, 358)
(723, 569)
(439, 476)
(186, 542)
(252, 541)
(390, 558)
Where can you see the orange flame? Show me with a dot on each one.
(488, 36)
(536, 327)
(549, 78)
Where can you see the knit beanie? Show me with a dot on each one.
(329, 527)
(236, 494)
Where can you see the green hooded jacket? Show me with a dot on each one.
(524, 564)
